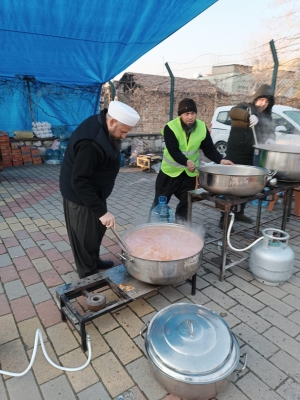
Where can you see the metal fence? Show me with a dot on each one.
(213, 81)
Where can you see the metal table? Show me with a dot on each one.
(110, 278)
(225, 204)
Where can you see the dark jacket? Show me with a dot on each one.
(90, 165)
(240, 143)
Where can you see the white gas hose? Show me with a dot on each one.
(228, 236)
(39, 337)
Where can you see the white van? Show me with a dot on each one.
(287, 122)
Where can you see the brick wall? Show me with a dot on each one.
(153, 107)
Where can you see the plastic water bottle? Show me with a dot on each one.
(62, 148)
(162, 212)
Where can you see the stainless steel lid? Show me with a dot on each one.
(190, 339)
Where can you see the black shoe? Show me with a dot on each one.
(105, 264)
(221, 225)
(242, 218)
(92, 272)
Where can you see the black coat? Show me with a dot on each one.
(241, 140)
(90, 165)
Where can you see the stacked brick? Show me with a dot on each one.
(15, 155)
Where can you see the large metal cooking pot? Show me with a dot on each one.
(191, 351)
(163, 272)
(281, 158)
(233, 180)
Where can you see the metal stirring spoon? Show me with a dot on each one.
(121, 240)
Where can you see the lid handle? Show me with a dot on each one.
(144, 329)
(191, 329)
(245, 356)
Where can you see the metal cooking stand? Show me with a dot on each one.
(109, 278)
(225, 204)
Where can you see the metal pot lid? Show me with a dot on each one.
(190, 339)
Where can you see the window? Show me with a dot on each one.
(294, 115)
(280, 121)
(224, 118)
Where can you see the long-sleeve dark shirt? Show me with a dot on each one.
(88, 157)
(206, 146)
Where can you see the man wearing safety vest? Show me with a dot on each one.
(184, 136)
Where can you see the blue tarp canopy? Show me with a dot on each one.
(77, 42)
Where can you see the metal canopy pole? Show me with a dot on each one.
(29, 79)
(112, 88)
(171, 90)
(276, 63)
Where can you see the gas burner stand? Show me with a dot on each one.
(109, 278)
(225, 204)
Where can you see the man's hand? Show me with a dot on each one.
(226, 162)
(108, 220)
(191, 165)
(253, 120)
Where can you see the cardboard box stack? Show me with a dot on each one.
(26, 156)
(14, 155)
(36, 157)
(5, 149)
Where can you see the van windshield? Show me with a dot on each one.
(294, 115)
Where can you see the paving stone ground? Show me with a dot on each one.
(35, 258)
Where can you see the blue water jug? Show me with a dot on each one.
(162, 212)
(49, 154)
(122, 160)
(56, 154)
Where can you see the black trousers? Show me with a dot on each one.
(85, 232)
(179, 187)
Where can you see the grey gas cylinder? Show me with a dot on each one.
(272, 260)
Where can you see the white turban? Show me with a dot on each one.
(123, 113)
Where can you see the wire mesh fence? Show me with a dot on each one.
(214, 81)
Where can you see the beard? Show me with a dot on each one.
(188, 127)
(116, 142)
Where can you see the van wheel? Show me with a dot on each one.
(222, 148)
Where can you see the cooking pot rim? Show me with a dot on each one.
(219, 169)
(278, 148)
(168, 226)
(197, 379)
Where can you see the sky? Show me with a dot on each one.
(227, 28)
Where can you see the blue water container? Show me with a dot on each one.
(162, 212)
(263, 203)
(122, 160)
(56, 154)
(49, 154)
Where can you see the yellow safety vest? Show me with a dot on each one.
(189, 148)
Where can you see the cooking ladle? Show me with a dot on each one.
(253, 129)
(121, 240)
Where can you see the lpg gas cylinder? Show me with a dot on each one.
(272, 260)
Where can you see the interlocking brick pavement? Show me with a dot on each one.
(35, 258)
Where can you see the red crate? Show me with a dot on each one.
(25, 149)
(37, 160)
(6, 163)
(17, 163)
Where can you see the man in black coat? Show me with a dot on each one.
(244, 117)
(88, 172)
